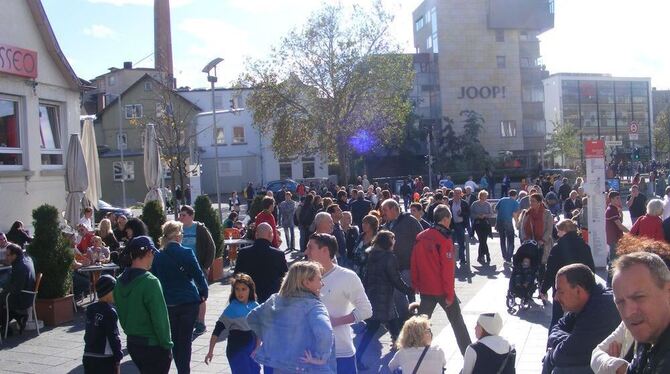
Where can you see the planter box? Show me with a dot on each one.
(55, 312)
(216, 271)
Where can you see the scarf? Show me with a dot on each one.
(533, 226)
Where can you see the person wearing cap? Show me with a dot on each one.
(590, 317)
(142, 310)
(491, 353)
(102, 350)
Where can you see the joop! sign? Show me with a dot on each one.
(18, 61)
(483, 92)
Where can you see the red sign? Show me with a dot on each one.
(634, 127)
(594, 149)
(18, 61)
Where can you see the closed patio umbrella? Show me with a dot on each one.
(90, 147)
(153, 170)
(76, 180)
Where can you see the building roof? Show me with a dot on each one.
(46, 32)
(137, 82)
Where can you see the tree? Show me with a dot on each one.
(662, 134)
(174, 134)
(461, 152)
(565, 141)
(210, 218)
(337, 77)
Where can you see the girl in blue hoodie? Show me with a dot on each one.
(233, 320)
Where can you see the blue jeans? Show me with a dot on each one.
(182, 321)
(506, 239)
(459, 235)
(346, 365)
(289, 232)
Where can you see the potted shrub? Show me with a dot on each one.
(154, 217)
(53, 257)
(209, 217)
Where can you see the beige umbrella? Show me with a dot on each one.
(90, 148)
(153, 170)
(76, 180)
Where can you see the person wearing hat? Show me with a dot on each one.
(491, 353)
(142, 310)
(102, 350)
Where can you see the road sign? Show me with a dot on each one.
(633, 127)
(594, 149)
(613, 143)
(633, 136)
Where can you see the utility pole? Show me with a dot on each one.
(429, 134)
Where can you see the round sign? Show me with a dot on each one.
(634, 127)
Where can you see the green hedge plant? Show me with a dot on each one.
(154, 217)
(51, 253)
(208, 216)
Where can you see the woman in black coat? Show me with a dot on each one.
(381, 278)
(18, 235)
(569, 249)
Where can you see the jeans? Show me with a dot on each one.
(100, 365)
(304, 238)
(240, 360)
(459, 235)
(483, 230)
(371, 329)
(346, 365)
(427, 306)
(407, 199)
(150, 359)
(506, 239)
(289, 232)
(182, 321)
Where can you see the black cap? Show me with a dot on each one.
(105, 285)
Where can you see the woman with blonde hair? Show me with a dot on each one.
(107, 235)
(295, 315)
(416, 354)
(184, 288)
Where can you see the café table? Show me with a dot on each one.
(94, 271)
(233, 245)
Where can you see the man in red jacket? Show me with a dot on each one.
(432, 269)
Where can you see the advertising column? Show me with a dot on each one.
(594, 152)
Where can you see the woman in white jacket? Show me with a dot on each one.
(608, 357)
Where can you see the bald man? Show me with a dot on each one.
(265, 264)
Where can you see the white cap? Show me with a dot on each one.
(491, 323)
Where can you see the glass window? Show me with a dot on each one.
(308, 167)
(238, 135)
(587, 92)
(418, 24)
(121, 141)
(533, 127)
(523, 35)
(500, 61)
(147, 86)
(220, 136)
(134, 111)
(606, 115)
(507, 129)
(570, 92)
(589, 115)
(640, 92)
(531, 94)
(525, 62)
(433, 20)
(435, 49)
(605, 92)
(429, 42)
(285, 169)
(50, 135)
(120, 172)
(500, 36)
(622, 92)
(111, 80)
(10, 139)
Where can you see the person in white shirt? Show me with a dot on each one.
(87, 219)
(470, 183)
(666, 203)
(416, 354)
(491, 353)
(344, 297)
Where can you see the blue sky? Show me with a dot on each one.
(621, 37)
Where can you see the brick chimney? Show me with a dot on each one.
(163, 39)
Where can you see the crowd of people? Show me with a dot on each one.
(364, 254)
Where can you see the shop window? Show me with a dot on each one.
(508, 129)
(10, 139)
(125, 170)
(50, 135)
(238, 135)
(308, 167)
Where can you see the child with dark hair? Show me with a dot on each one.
(102, 352)
(524, 277)
(233, 321)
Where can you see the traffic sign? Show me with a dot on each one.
(633, 127)
(613, 143)
(633, 136)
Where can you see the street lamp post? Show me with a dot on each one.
(211, 78)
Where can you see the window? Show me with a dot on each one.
(121, 140)
(238, 135)
(125, 171)
(220, 136)
(10, 139)
(523, 35)
(532, 94)
(147, 86)
(134, 111)
(308, 167)
(500, 61)
(285, 168)
(435, 50)
(429, 42)
(50, 135)
(433, 20)
(525, 62)
(236, 102)
(418, 24)
(111, 80)
(508, 129)
(500, 36)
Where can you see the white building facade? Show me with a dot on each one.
(39, 109)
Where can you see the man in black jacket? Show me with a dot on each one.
(642, 294)
(360, 208)
(460, 211)
(22, 278)
(637, 203)
(266, 265)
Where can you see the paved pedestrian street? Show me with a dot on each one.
(59, 350)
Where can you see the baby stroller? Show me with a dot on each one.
(518, 296)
